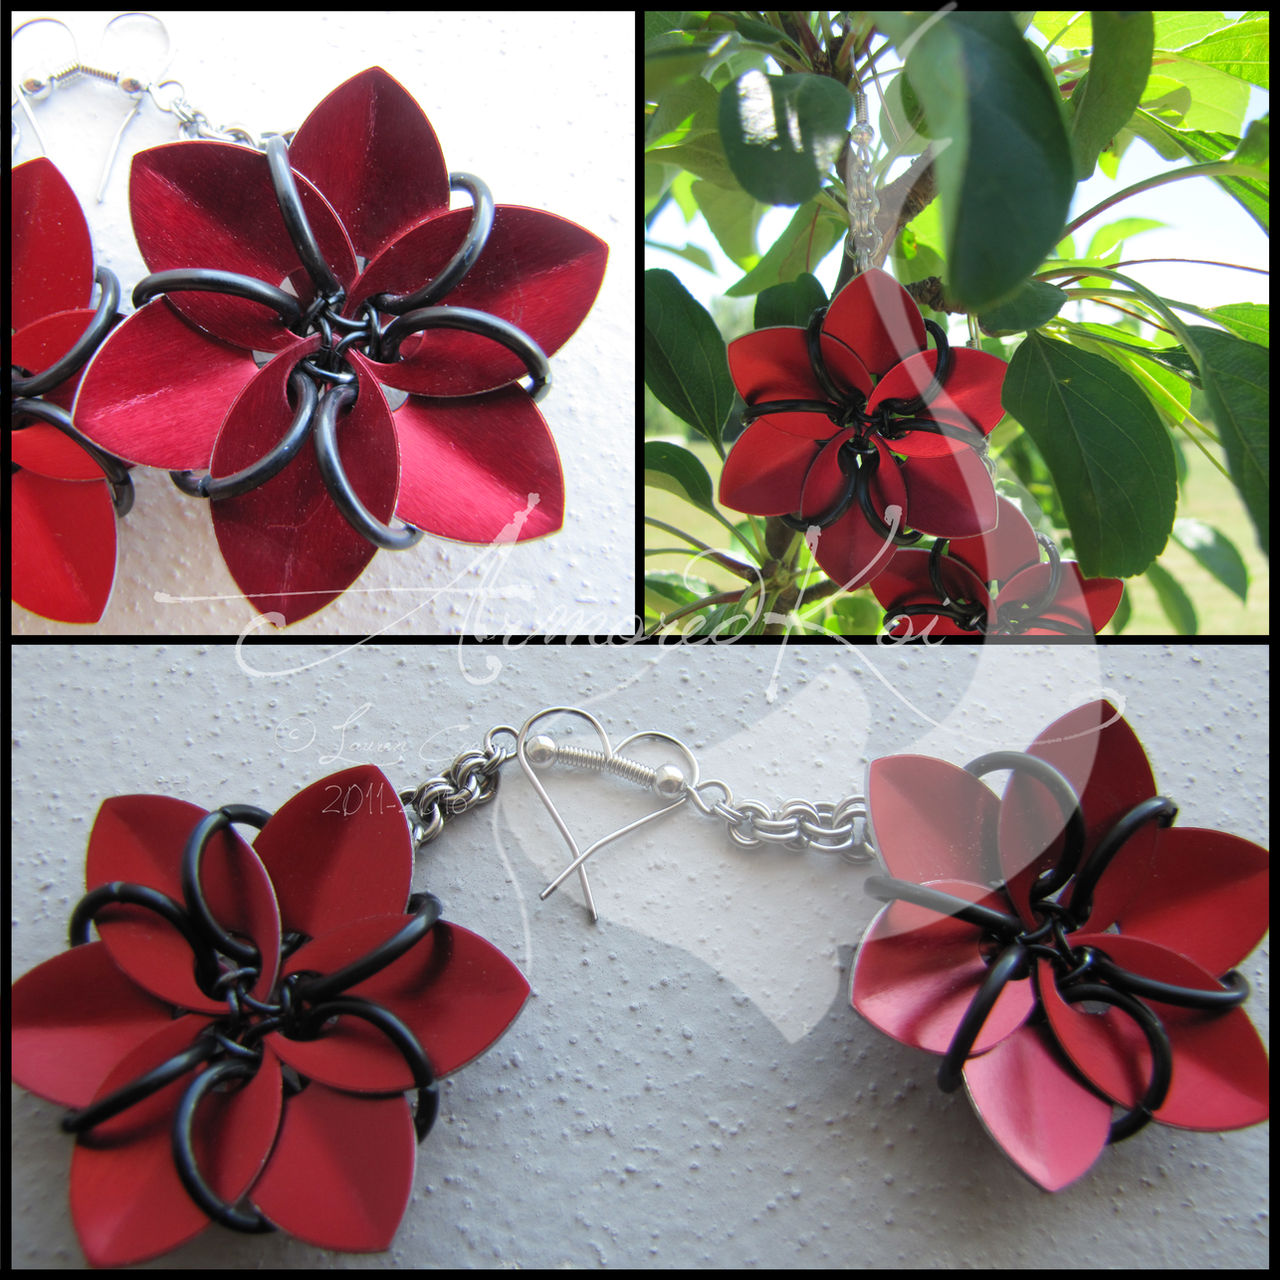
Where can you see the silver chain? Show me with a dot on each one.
(471, 780)
(798, 825)
(863, 203)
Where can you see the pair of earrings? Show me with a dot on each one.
(242, 1034)
(324, 351)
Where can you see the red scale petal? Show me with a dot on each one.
(876, 317)
(211, 204)
(40, 344)
(339, 850)
(1031, 1102)
(931, 820)
(971, 396)
(73, 1018)
(906, 581)
(1220, 1074)
(1069, 606)
(950, 495)
(538, 271)
(455, 991)
(63, 556)
(48, 244)
(287, 544)
(852, 551)
(764, 473)
(1208, 897)
(127, 1201)
(999, 553)
(371, 151)
(479, 469)
(158, 389)
(1103, 760)
(917, 973)
(140, 839)
(773, 364)
(342, 1170)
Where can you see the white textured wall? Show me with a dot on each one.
(541, 106)
(688, 1085)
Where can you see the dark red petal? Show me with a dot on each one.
(1035, 1107)
(950, 495)
(852, 550)
(878, 318)
(140, 840)
(1001, 552)
(157, 390)
(454, 990)
(371, 151)
(1207, 897)
(48, 244)
(931, 820)
(773, 364)
(970, 396)
(211, 204)
(538, 271)
(765, 470)
(1080, 602)
(338, 850)
(40, 344)
(1068, 606)
(480, 469)
(906, 580)
(1220, 1074)
(73, 1018)
(127, 1201)
(918, 971)
(342, 1169)
(46, 451)
(1104, 761)
(63, 555)
(287, 544)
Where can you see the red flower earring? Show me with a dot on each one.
(1098, 973)
(335, 256)
(240, 1039)
(951, 590)
(857, 429)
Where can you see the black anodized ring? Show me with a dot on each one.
(356, 514)
(461, 262)
(480, 322)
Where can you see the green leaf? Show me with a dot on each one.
(1215, 551)
(1174, 600)
(1248, 320)
(1006, 174)
(1252, 193)
(685, 364)
(782, 134)
(1242, 49)
(810, 235)
(733, 217)
(789, 304)
(1034, 304)
(1110, 457)
(1109, 94)
(670, 467)
(1236, 383)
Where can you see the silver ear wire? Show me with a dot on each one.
(38, 86)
